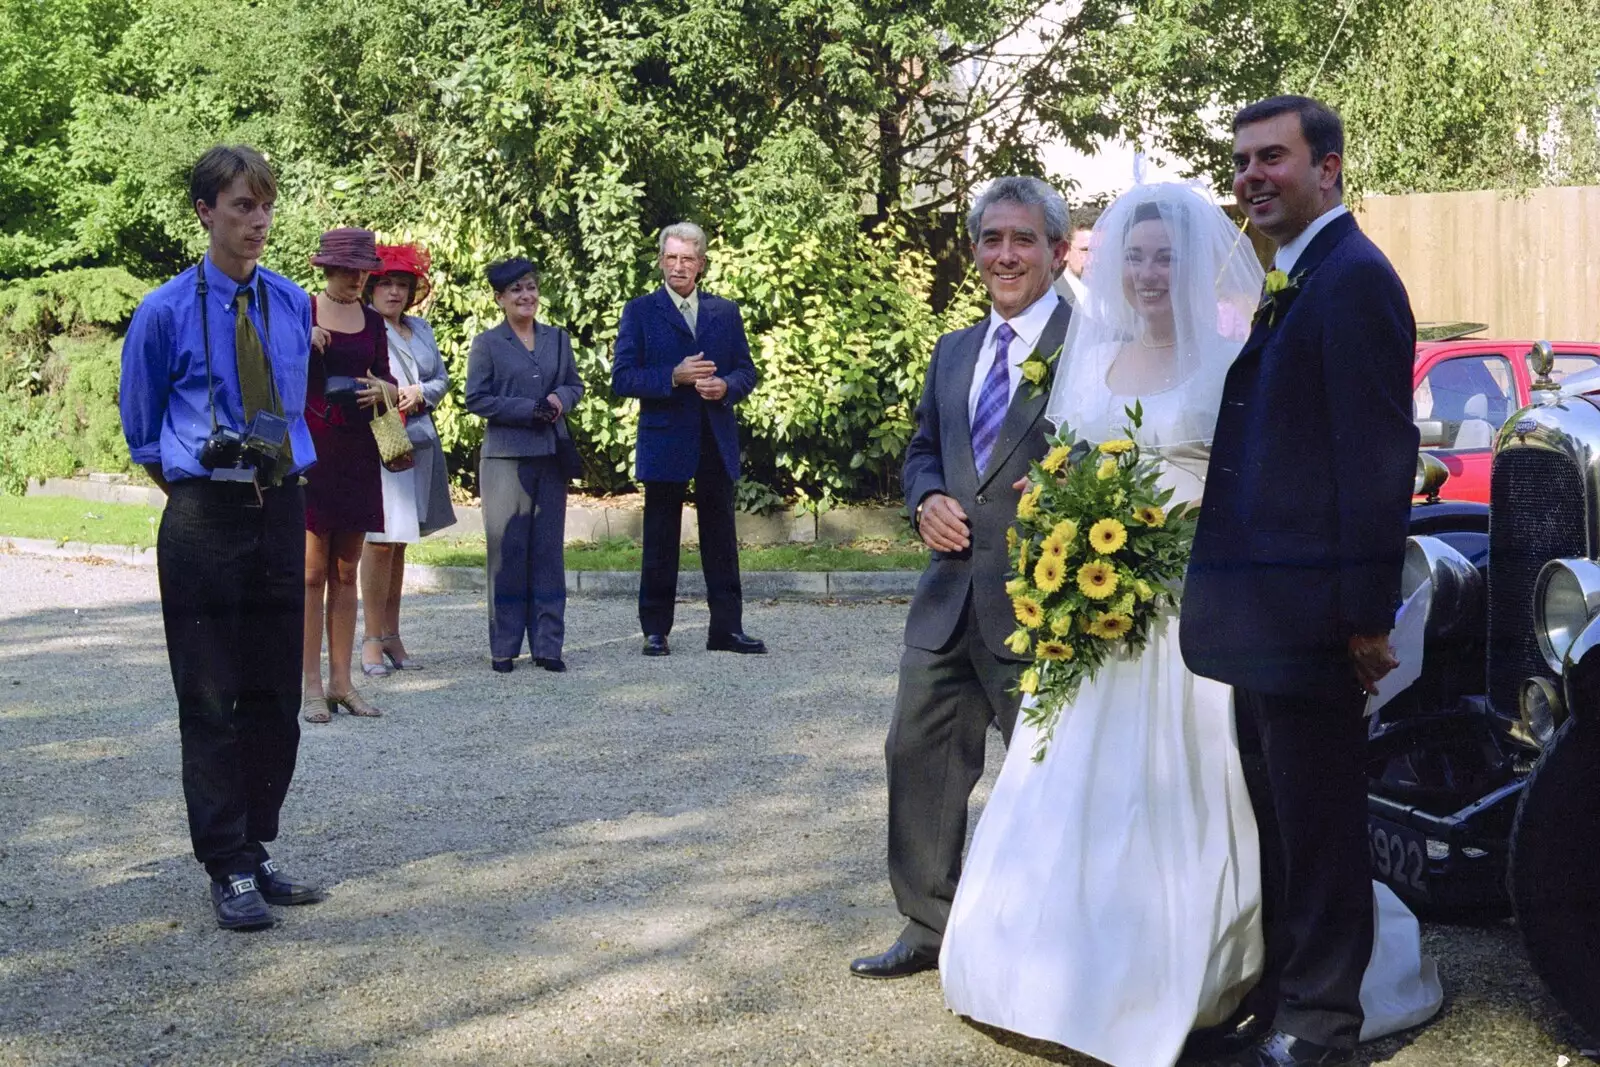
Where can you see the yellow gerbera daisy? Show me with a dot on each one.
(1107, 469)
(1055, 459)
(1061, 623)
(1030, 681)
(1049, 573)
(1151, 516)
(1028, 506)
(1016, 587)
(1065, 531)
(1049, 650)
(1029, 613)
(1108, 535)
(1018, 642)
(1116, 447)
(1053, 547)
(1011, 538)
(1097, 580)
(1022, 556)
(1110, 625)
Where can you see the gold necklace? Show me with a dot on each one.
(1144, 339)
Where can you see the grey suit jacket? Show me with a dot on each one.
(939, 460)
(505, 382)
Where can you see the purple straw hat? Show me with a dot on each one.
(348, 247)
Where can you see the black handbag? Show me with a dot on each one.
(341, 389)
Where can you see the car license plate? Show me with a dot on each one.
(1399, 856)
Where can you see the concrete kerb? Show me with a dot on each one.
(423, 578)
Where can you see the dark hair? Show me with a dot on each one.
(216, 170)
(1320, 125)
(411, 285)
(502, 274)
(1085, 217)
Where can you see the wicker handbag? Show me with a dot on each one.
(394, 445)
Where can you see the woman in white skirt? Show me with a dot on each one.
(416, 502)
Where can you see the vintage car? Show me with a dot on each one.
(1464, 388)
(1484, 777)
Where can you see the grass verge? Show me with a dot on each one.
(61, 519)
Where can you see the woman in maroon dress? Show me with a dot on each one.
(344, 493)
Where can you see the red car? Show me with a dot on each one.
(1465, 388)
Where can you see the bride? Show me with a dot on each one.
(1111, 900)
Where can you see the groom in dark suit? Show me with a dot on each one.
(979, 426)
(1295, 577)
(683, 353)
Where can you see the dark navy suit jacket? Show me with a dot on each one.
(653, 339)
(1303, 526)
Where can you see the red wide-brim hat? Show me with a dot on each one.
(348, 247)
(406, 259)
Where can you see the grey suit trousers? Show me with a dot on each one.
(945, 703)
(524, 522)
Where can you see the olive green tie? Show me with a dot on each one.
(256, 392)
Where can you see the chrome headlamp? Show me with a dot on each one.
(1566, 597)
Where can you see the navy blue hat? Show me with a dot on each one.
(507, 271)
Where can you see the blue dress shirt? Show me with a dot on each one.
(166, 414)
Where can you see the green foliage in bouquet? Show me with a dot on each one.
(1098, 553)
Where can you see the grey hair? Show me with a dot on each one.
(1029, 192)
(683, 231)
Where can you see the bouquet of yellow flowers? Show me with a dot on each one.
(1098, 555)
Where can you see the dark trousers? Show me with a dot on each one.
(719, 545)
(232, 576)
(524, 522)
(1304, 760)
(942, 712)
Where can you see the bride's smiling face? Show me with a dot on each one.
(1147, 269)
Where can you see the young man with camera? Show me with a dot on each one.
(213, 401)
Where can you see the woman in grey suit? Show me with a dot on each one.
(522, 379)
(416, 502)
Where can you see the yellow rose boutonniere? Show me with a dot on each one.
(1279, 291)
(1036, 370)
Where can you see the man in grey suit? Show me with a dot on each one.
(979, 426)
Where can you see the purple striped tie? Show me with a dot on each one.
(994, 399)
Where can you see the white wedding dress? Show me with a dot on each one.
(1111, 899)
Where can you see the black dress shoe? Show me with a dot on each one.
(742, 643)
(550, 663)
(503, 666)
(276, 889)
(1242, 1030)
(656, 645)
(1279, 1049)
(238, 904)
(900, 961)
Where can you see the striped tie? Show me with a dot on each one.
(994, 399)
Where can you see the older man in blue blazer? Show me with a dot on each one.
(683, 353)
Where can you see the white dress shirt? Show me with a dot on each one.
(688, 306)
(1028, 326)
(1287, 255)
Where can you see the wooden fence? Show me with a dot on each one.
(1527, 265)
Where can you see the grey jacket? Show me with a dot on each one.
(939, 460)
(505, 382)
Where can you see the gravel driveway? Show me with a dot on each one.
(641, 861)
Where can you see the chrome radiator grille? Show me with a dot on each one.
(1536, 514)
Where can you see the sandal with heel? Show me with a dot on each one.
(379, 669)
(316, 709)
(407, 664)
(353, 703)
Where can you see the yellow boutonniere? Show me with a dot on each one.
(1036, 370)
(1279, 290)
(1277, 282)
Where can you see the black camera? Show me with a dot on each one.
(233, 456)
